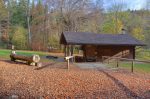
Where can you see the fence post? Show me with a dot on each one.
(117, 62)
(132, 66)
(68, 58)
(68, 64)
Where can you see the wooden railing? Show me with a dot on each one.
(68, 60)
(122, 54)
(119, 55)
(118, 59)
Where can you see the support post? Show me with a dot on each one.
(133, 52)
(65, 52)
(68, 59)
(71, 50)
(68, 50)
(72, 53)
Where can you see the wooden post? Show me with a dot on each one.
(132, 66)
(68, 59)
(117, 62)
(65, 53)
(68, 50)
(68, 64)
(71, 50)
(133, 52)
(12, 47)
(72, 53)
(108, 60)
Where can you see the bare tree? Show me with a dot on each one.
(28, 22)
(66, 15)
(147, 5)
(115, 9)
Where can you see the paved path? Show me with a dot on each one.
(88, 65)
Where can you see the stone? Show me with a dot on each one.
(14, 97)
(39, 64)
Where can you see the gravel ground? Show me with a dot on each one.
(54, 81)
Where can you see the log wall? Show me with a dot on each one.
(99, 51)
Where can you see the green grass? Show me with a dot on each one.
(5, 54)
(138, 66)
(141, 54)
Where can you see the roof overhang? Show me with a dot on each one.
(82, 38)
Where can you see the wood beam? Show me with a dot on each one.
(71, 50)
(65, 52)
(68, 50)
(133, 52)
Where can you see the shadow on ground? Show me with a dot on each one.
(50, 64)
(127, 91)
(16, 62)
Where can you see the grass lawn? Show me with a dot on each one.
(141, 67)
(141, 54)
(138, 66)
(4, 54)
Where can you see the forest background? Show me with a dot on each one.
(38, 24)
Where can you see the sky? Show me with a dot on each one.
(130, 4)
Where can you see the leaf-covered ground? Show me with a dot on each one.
(55, 81)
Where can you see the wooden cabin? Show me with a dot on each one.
(94, 46)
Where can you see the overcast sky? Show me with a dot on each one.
(131, 4)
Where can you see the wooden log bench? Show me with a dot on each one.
(29, 59)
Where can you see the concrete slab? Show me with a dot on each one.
(89, 65)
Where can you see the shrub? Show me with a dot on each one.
(19, 38)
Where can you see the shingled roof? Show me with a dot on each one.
(81, 38)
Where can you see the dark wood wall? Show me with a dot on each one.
(99, 51)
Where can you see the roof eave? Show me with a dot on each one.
(73, 43)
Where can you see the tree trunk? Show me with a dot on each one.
(29, 59)
(28, 21)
